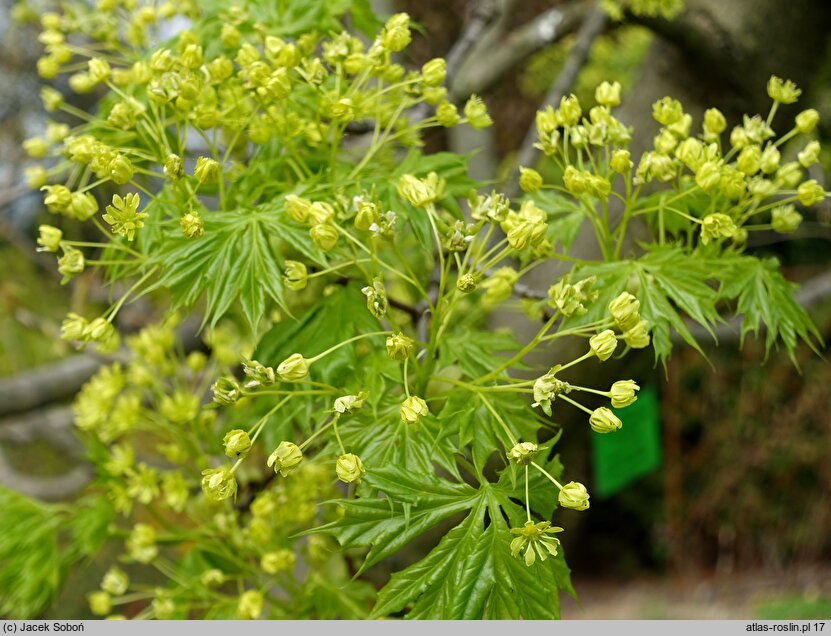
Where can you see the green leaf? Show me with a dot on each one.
(413, 503)
(765, 297)
(476, 352)
(32, 565)
(471, 573)
(333, 319)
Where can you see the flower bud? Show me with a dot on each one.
(603, 345)
(325, 236)
(708, 176)
(477, 113)
(285, 458)
(297, 208)
(623, 393)
(810, 154)
(52, 99)
(71, 263)
(602, 420)
(466, 283)
(350, 469)
(523, 453)
(395, 35)
(782, 91)
(212, 577)
(770, 160)
(99, 69)
(529, 180)
(434, 72)
(570, 111)
(608, 94)
(785, 219)
(499, 285)
(192, 225)
(237, 443)
(717, 226)
(399, 346)
(638, 336)
(749, 160)
(36, 177)
(141, 544)
(49, 238)
(714, 122)
(206, 169)
(415, 191)
(100, 603)
(73, 327)
(413, 409)
(293, 369)
(667, 111)
(574, 495)
(624, 310)
(57, 199)
(621, 162)
(219, 483)
(36, 147)
(447, 114)
(259, 373)
(810, 192)
(120, 169)
(250, 605)
(115, 581)
(295, 275)
(278, 561)
(807, 121)
(174, 168)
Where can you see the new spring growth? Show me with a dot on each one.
(623, 393)
(602, 420)
(123, 215)
(49, 238)
(294, 368)
(237, 443)
(807, 121)
(399, 346)
(259, 373)
(285, 458)
(376, 298)
(420, 192)
(624, 310)
(523, 453)
(529, 179)
(534, 539)
(782, 91)
(325, 236)
(350, 469)
(810, 193)
(547, 388)
(141, 544)
(717, 226)
(413, 409)
(348, 404)
(295, 275)
(250, 605)
(477, 113)
(115, 581)
(574, 495)
(278, 561)
(603, 345)
(192, 225)
(206, 169)
(785, 219)
(219, 483)
(226, 391)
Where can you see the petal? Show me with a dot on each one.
(530, 557)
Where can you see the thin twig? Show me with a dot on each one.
(595, 23)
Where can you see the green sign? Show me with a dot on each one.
(633, 451)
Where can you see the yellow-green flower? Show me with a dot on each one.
(574, 495)
(219, 483)
(123, 215)
(623, 393)
(717, 226)
(350, 469)
(413, 409)
(534, 539)
(477, 113)
(294, 368)
(603, 345)
(285, 458)
(602, 420)
(250, 605)
(237, 443)
(523, 453)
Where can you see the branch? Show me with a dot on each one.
(545, 29)
(592, 27)
(55, 426)
(62, 379)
